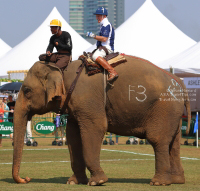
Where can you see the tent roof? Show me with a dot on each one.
(187, 61)
(150, 35)
(26, 53)
(4, 48)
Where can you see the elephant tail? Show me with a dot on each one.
(187, 105)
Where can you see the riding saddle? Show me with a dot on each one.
(92, 67)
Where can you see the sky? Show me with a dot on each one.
(19, 18)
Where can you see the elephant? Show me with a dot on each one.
(145, 101)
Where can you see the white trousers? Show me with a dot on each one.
(28, 133)
(100, 53)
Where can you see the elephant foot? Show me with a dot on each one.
(161, 180)
(22, 180)
(27, 179)
(77, 180)
(178, 179)
(98, 179)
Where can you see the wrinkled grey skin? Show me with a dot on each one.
(142, 103)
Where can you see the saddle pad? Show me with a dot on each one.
(94, 68)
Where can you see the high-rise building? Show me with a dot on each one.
(76, 15)
(81, 16)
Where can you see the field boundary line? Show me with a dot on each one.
(110, 150)
(131, 152)
(36, 149)
(107, 160)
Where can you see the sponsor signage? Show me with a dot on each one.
(6, 128)
(193, 82)
(184, 128)
(45, 127)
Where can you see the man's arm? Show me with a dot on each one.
(101, 38)
(105, 34)
(50, 47)
(68, 42)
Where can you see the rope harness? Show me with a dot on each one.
(71, 89)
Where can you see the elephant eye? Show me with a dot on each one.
(27, 90)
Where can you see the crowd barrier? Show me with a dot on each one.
(191, 134)
(45, 127)
(40, 127)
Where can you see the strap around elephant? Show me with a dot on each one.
(104, 48)
(71, 89)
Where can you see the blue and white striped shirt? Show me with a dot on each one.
(106, 30)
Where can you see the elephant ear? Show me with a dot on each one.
(54, 85)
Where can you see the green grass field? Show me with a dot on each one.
(125, 165)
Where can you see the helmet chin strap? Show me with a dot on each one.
(57, 30)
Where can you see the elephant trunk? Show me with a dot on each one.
(20, 123)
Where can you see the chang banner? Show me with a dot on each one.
(6, 128)
(193, 82)
(45, 127)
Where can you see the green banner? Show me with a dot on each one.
(6, 128)
(45, 127)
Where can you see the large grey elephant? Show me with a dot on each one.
(145, 101)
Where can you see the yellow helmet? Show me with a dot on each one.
(55, 22)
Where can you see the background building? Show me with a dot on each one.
(81, 16)
(76, 15)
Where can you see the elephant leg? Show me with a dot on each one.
(162, 164)
(92, 137)
(160, 133)
(160, 138)
(76, 154)
(177, 172)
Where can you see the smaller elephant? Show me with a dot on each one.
(146, 102)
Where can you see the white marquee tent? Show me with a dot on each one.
(26, 53)
(4, 48)
(187, 65)
(150, 35)
(187, 61)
